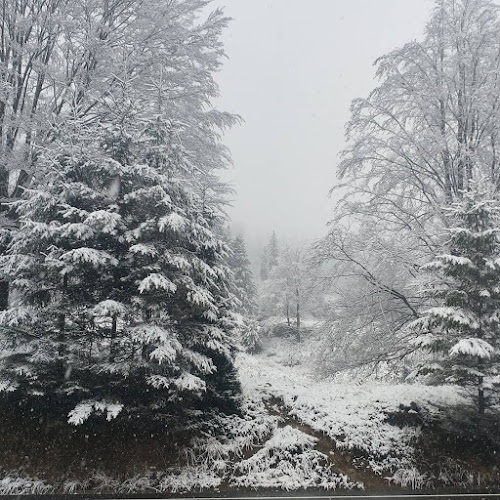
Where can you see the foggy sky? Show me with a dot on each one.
(294, 67)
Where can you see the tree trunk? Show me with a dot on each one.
(4, 295)
(446, 156)
(61, 324)
(112, 346)
(298, 313)
(4, 285)
(287, 312)
(442, 109)
(481, 404)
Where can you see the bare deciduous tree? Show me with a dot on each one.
(414, 144)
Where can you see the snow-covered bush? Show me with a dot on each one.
(241, 433)
(288, 461)
(187, 479)
(410, 478)
(17, 485)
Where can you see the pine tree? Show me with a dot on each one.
(121, 291)
(264, 265)
(250, 337)
(462, 330)
(243, 282)
(273, 251)
(66, 59)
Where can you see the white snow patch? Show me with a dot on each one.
(96, 258)
(173, 222)
(142, 249)
(190, 382)
(109, 308)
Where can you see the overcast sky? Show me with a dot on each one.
(294, 67)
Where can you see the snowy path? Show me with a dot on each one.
(348, 421)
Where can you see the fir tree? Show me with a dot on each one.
(250, 337)
(462, 330)
(264, 265)
(243, 281)
(273, 251)
(121, 291)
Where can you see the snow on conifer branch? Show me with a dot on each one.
(157, 281)
(85, 409)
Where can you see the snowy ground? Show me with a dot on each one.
(352, 415)
(297, 431)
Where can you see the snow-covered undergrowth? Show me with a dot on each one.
(209, 460)
(171, 480)
(263, 448)
(289, 461)
(188, 479)
(19, 485)
(241, 433)
(352, 415)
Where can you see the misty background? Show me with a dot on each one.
(293, 69)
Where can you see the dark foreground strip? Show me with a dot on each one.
(280, 495)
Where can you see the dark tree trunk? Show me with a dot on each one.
(298, 313)
(4, 295)
(61, 323)
(112, 346)
(4, 285)
(481, 403)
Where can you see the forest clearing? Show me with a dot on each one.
(153, 341)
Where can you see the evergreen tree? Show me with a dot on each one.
(67, 59)
(250, 337)
(243, 283)
(273, 251)
(462, 330)
(121, 291)
(264, 265)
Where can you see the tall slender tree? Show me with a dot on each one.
(243, 282)
(273, 251)
(264, 265)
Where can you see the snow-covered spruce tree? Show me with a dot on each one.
(264, 265)
(273, 251)
(463, 330)
(243, 284)
(245, 292)
(121, 300)
(63, 59)
(251, 337)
